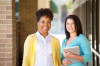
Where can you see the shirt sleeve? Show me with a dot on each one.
(85, 46)
(58, 53)
(26, 54)
(62, 49)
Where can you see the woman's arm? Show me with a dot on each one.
(85, 46)
(26, 53)
(63, 60)
(62, 49)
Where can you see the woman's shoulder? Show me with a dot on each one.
(82, 37)
(64, 40)
(31, 35)
(54, 38)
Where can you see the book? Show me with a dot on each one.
(75, 50)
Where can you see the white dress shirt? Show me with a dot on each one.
(43, 51)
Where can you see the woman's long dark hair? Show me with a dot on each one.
(78, 26)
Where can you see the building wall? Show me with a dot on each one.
(80, 12)
(14, 51)
(6, 44)
(27, 23)
(43, 4)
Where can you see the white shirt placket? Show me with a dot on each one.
(43, 51)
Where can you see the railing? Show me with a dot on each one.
(95, 52)
(96, 57)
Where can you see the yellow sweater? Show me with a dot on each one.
(30, 48)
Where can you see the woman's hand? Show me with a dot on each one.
(67, 54)
(66, 62)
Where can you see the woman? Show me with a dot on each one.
(40, 48)
(74, 37)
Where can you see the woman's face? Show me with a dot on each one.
(70, 26)
(44, 24)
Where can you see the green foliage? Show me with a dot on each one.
(69, 5)
(53, 7)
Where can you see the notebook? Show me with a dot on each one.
(74, 50)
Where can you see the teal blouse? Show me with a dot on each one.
(84, 47)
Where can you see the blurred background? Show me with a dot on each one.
(17, 21)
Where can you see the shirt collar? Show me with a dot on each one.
(39, 35)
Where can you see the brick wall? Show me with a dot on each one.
(5, 32)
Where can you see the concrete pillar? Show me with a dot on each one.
(43, 4)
